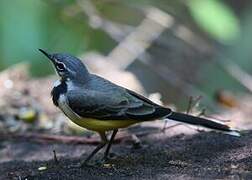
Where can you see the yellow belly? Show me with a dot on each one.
(102, 125)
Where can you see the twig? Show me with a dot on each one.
(202, 113)
(46, 138)
(189, 107)
(56, 161)
(172, 126)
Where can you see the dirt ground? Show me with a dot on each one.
(170, 155)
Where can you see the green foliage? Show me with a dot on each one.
(216, 18)
(28, 25)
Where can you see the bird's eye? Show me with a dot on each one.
(60, 66)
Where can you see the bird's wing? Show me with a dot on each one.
(117, 106)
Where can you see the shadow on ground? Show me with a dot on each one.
(202, 155)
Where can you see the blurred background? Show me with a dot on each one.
(167, 50)
(193, 56)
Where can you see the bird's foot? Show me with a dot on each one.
(107, 158)
(163, 129)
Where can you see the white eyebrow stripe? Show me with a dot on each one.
(57, 62)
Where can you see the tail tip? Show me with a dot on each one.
(234, 132)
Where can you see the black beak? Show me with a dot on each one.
(46, 54)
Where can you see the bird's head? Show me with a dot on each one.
(67, 66)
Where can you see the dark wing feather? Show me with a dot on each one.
(107, 106)
(159, 110)
(94, 104)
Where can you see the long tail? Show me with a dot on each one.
(211, 124)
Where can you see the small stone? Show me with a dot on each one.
(28, 115)
(234, 166)
(42, 168)
(107, 165)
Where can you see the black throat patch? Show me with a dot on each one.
(57, 91)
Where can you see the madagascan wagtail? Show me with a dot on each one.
(99, 105)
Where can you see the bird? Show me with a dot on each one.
(99, 105)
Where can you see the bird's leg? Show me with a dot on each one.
(109, 144)
(104, 141)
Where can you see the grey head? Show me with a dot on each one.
(68, 67)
